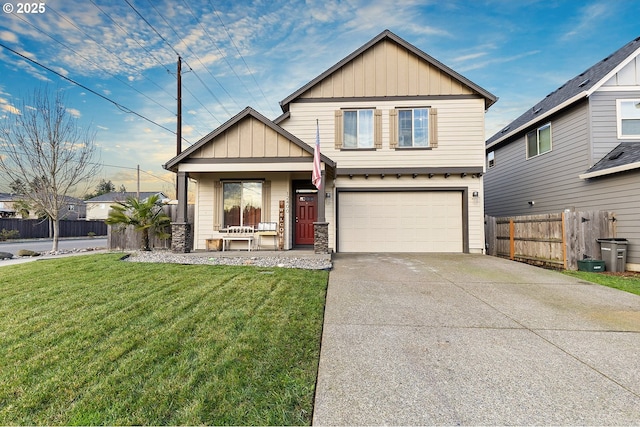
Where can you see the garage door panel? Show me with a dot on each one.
(427, 221)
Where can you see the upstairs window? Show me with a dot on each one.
(491, 159)
(539, 141)
(358, 129)
(628, 118)
(413, 127)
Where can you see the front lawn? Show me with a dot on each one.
(629, 282)
(93, 340)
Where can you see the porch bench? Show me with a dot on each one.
(238, 233)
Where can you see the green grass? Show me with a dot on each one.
(92, 340)
(628, 283)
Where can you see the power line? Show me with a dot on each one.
(118, 105)
(103, 46)
(242, 57)
(87, 59)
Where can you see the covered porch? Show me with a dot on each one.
(253, 190)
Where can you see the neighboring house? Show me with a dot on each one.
(402, 143)
(72, 209)
(98, 207)
(578, 148)
(6, 205)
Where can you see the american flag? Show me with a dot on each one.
(316, 176)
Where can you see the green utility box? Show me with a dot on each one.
(591, 265)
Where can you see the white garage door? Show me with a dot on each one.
(405, 221)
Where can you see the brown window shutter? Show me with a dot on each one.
(393, 129)
(377, 129)
(218, 207)
(265, 215)
(433, 128)
(338, 126)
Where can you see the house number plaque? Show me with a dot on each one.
(281, 226)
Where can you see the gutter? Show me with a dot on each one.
(610, 171)
(554, 110)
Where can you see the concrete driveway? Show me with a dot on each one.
(424, 339)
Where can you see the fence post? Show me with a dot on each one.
(564, 243)
(512, 241)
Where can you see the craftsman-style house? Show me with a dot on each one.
(401, 137)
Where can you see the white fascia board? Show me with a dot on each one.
(540, 117)
(246, 167)
(613, 72)
(610, 171)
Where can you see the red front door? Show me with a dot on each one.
(306, 215)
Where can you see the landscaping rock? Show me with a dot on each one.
(26, 252)
(6, 255)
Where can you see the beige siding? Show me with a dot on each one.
(460, 126)
(208, 214)
(249, 138)
(387, 69)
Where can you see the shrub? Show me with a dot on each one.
(9, 234)
(91, 234)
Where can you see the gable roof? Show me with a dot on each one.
(490, 99)
(579, 87)
(244, 114)
(119, 196)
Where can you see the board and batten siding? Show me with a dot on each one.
(460, 125)
(386, 69)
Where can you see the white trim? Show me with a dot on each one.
(619, 101)
(620, 89)
(609, 171)
(246, 167)
(540, 118)
(613, 72)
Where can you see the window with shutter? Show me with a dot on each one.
(413, 128)
(359, 129)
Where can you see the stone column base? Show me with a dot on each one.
(181, 239)
(321, 237)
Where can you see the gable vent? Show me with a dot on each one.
(616, 155)
(584, 82)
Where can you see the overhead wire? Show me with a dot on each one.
(103, 46)
(117, 104)
(199, 60)
(241, 57)
(93, 62)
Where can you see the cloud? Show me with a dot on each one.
(102, 127)
(74, 113)
(8, 36)
(588, 17)
(8, 107)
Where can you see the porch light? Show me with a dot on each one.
(475, 194)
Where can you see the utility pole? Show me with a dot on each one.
(179, 124)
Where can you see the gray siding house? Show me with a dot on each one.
(578, 148)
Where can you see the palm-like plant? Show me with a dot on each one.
(143, 215)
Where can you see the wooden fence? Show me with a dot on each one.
(555, 240)
(38, 228)
(128, 238)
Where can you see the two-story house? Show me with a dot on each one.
(401, 137)
(578, 148)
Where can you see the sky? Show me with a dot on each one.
(116, 60)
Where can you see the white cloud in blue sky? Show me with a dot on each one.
(257, 53)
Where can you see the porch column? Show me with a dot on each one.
(321, 227)
(181, 239)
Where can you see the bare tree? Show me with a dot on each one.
(43, 146)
